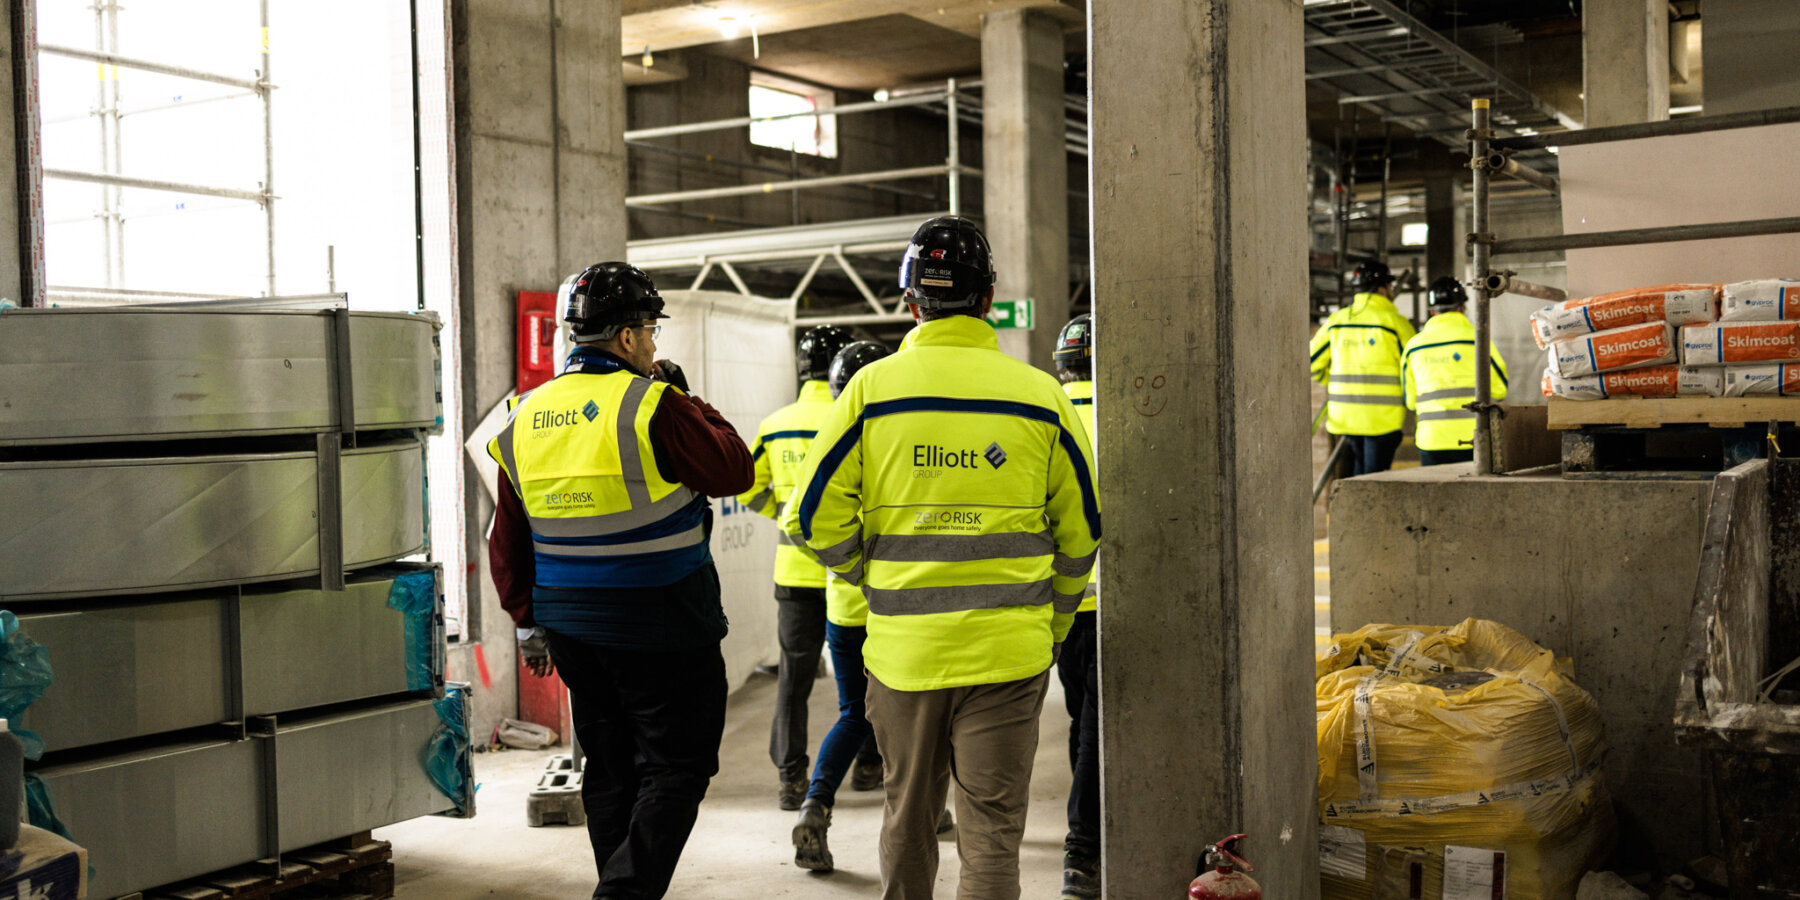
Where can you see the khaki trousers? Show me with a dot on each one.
(984, 737)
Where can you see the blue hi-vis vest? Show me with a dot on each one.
(578, 452)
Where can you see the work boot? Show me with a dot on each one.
(866, 776)
(810, 850)
(945, 822)
(791, 792)
(1081, 878)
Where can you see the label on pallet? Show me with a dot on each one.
(1766, 300)
(1726, 343)
(1675, 304)
(1651, 381)
(1743, 381)
(1634, 346)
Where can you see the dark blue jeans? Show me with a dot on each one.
(1441, 457)
(846, 737)
(1373, 452)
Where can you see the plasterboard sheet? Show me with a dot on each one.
(1720, 176)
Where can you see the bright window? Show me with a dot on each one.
(1414, 234)
(814, 135)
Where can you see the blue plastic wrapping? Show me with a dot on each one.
(446, 755)
(415, 596)
(24, 674)
(41, 814)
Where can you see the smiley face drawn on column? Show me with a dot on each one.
(1150, 399)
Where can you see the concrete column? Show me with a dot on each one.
(1199, 164)
(540, 192)
(1443, 245)
(1625, 61)
(1025, 172)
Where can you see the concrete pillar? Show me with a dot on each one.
(1199, 162)
(1748, 52)
(540, 192)
(1443, 245)
(1025, 172)
(1625, 61)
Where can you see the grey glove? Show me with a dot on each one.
(532, 643)
(665, 370)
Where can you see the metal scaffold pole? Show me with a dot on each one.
(268, 186)
(1479, 248)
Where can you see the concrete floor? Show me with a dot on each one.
(740, 846)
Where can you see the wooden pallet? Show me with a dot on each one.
(352, 868)
(1651, 412)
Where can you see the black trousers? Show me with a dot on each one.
(800, 623)
(1373, 452)
(1441, 457)
(650, 723)
(1078, 668)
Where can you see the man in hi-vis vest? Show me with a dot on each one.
(955, 485)
(601, 553)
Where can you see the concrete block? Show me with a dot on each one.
(1599, 571)
(557, 798)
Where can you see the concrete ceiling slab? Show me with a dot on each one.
(670, 24)
(866, 55)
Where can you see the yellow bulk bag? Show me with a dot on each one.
(1457, 763)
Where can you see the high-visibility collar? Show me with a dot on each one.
(1454, 320)
(956, 331)
(1366, 298)
(594, 361)
(815, 391)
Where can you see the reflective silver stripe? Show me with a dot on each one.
(762, 497)
(1365, 379)
(784, 539)
(1093, 590)
(506, 457)
(922, 601)
(956, 548)
(855, 575)
(631, 460)
(1446, 414)
(1371, 399)
(613, 523)
(1068, 603)
(688, 538)
(1074, 567)
(842, 553)
(1447, 394)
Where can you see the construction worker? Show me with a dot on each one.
(1078, 667)
(1356, 355)
(1438, 371)
(779, 448)
(955, 485)
(601, 553)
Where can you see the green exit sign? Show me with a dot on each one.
(1012, 313)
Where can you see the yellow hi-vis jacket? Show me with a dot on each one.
(955, 484)
(779, 449)
(1438, 369)
(1081, 395)
(1356, 355)
(578, 451)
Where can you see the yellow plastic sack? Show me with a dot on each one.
(1440, 749)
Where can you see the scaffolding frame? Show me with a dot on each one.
(1490, 155)
(110, 111)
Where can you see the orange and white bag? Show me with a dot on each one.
(1730, 343)
(1743, 381)
(1650, 381)
(1634, 346)
(1767, 300)
(1677, 304)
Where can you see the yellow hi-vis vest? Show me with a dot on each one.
(578, 451)
(780, 448)
(1438, 369)
(1356, 355)
(955, 484)
(1081, 395)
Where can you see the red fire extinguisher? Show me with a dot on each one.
(1225, 881)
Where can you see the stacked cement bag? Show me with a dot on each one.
(1459, 762)
(1755, 345)
(1625, 343)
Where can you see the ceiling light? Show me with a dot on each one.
(881, 96)
(728, 27)
(648, 59)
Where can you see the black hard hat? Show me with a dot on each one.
(1447, 293)
(1075, 346)
(1371, 275)
(606, 295)
(850, 361)
(947, 266)
(817, 348)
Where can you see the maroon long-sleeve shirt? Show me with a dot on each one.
(693, 444)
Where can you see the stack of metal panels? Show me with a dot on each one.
(206, 514)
